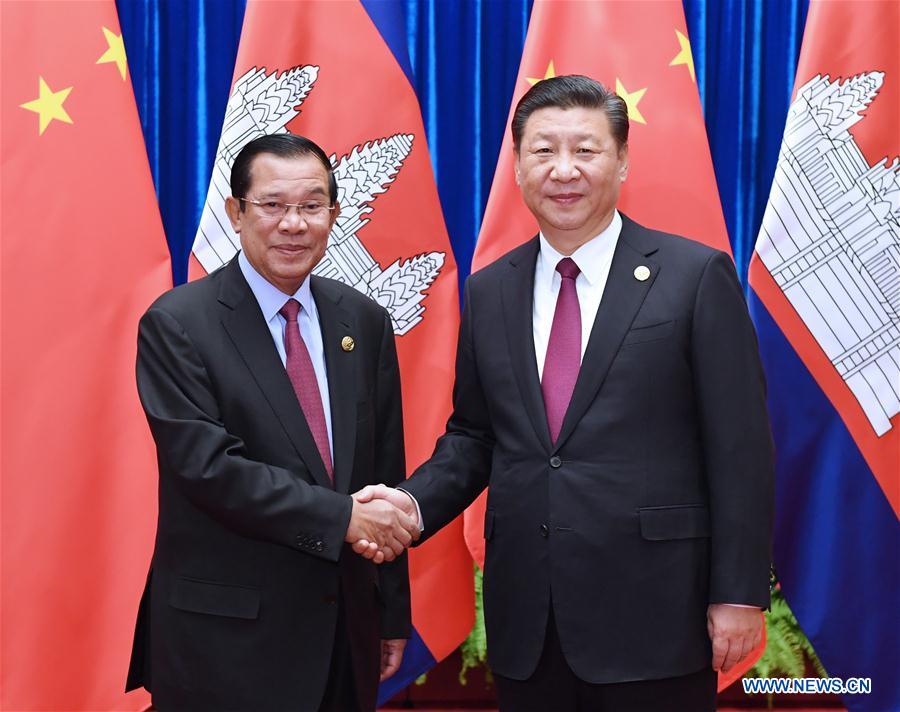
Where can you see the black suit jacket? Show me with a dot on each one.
(242, 600)
(656, 499)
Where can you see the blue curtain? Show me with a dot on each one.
(181, 56)
(745, 56)
(464, 58)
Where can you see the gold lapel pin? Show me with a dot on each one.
(642, 273)
(347, 343)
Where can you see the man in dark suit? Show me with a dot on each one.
(609, 390)
(272, 394)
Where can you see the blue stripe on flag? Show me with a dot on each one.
(416, 660)
(837, 540)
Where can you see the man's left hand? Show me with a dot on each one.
(734, 632)
(391, 655)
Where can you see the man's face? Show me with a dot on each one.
(570, 170)
(283, 250)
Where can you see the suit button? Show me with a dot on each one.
(555, 462)
(545, 531)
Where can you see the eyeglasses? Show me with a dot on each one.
(275, 210)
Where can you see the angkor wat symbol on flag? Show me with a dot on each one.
(264, 103)
(831, 239)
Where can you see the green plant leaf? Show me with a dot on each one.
(787, 649)
(474, 647)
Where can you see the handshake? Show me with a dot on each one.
(383, 523)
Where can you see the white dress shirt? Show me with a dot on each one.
(271, 300)
(593, 258)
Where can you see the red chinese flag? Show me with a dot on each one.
(83, 255)
(640, 50)
(353, 98)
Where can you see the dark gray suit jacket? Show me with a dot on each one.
(250, 564)
(657, 498)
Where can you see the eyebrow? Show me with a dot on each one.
(279, 195)
(542, 135)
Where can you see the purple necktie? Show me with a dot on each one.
(303, 378)
(563, 350)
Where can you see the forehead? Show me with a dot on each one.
(554, 122)
(281, 174)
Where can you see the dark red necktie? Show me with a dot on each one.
(303, 378)
(563, 349)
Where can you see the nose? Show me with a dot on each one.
(564, 168)
(293, 220)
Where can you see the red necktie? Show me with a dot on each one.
(563, 349)
(303, 378)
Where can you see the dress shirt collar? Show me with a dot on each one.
(268, 296)
(593, 257)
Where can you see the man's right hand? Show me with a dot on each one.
(369, 549)
(380, 529)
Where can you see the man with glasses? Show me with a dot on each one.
(272, 395)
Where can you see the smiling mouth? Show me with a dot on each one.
(566, 198)
(290, 249)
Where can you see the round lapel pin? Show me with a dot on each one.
(347, 343)
(642, 273)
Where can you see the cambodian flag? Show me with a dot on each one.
(826, 302)
(338, 72)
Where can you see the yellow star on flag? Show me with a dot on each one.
(115, 51)
(49, 105)
(684, 56)
(549, 74)
(631, 100)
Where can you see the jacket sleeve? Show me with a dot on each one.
(736, 437)
(390, 469)
(210, 466)
(460, 467)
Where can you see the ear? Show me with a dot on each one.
(623, 163)
(233, 210)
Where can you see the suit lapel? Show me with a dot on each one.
(250, 335)
(622, 298)
(336, 323)
(517, 304)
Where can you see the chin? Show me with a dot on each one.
(567, 225)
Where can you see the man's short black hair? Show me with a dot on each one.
(568, 92)
(286, 145)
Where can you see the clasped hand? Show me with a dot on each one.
(383, 523)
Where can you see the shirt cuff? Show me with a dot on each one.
(418, 510)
